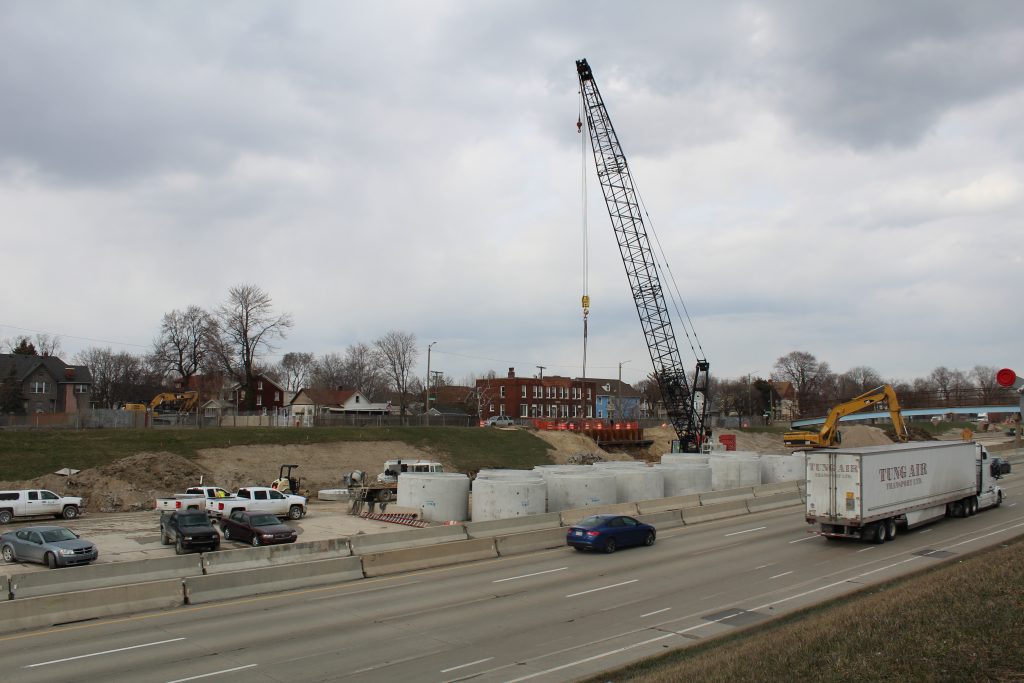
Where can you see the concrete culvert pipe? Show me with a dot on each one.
(684, 479)
(508, 497)
(569, 490)
(439, 496)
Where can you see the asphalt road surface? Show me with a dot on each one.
(549, 616)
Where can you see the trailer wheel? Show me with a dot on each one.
(999, 499)
(890, 529)
(879, 533)
(384, 495)
(971, 506)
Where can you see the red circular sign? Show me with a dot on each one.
(1006, 377)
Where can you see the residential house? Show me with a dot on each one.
(269, 395)
(617, 400)
(553, 398)
(48, 384)
(319, 402)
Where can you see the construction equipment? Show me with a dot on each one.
(384, 489)
(174, 402)
(285, 482)
(829, 434)
(686, 405)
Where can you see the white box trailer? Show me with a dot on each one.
(868, 492)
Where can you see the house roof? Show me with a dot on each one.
(24, 366)
(609, 387)
(325, 397)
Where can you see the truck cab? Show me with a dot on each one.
(393, 468)
(37, 502)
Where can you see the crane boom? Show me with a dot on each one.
(828, 435)
(686, 406)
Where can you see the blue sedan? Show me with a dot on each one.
(608, 532)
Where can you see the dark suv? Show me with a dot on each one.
(188, 530)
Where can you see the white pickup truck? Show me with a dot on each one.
(194, 498)
(258, 499)
(35, 502)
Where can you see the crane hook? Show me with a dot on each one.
(579, 125)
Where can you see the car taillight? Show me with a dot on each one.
(593, 534)
(220, 506)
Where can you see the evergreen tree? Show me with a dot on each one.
(11, 400)
(25, 348)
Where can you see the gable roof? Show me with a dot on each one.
(325, 397)
(61, 372)
(611, 387)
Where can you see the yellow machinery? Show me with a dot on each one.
(828, 435)
(141, 407)
(174, 402)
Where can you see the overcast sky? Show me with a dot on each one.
(840, 178)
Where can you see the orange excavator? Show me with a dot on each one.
(829, 435)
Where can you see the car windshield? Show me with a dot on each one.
(591, 522)
(263, 520)
(56, 535)
(194, 520)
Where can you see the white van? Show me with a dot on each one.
(36, 502)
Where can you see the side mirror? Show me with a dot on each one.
(77, 535)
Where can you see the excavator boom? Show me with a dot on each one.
(828, 435)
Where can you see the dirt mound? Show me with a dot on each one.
(757, 442)
(572, 448)
(855, 436)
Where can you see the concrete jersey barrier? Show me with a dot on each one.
(647, 507)
(246, 582)
(774, 502)
(728, 495)
(768, 490)
(707, 513)
(411, 559)
(530, 541)
(273, 555)
(363, 544)
(69, 579)
(663, 520)
(570, 517)
(5, 588)
(515, 525)
(61, 608)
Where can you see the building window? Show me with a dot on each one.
(501, 391)
(81, 388)
(536, 391)
(490, 408)
(39, 388)
(259, 400)
(523, 392)
(533, 410)
(277, 396)
(501, 410)
(523, 408)
(588, 393)
(565, 411)
(590, 411)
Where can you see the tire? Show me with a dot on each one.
(649, 539)
(51, 560)
(577, 549)
(6, 516)
(384, 496)
(999, 499)
(879, 530)
(179, 549)
(69, 512)
(970, 507)
(295, 512)
(975, 506)
(227, 533)
(9, 555)
(255, 541)
(609, 546)
(163, 539)
(890, 529)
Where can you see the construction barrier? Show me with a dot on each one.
(663, 520)
(530, 541)
(411, 559)
(69, 579)
(62, 608)
(363, 544)
(713, 497)
(707, 513)
(774, 502)
(269, 555)
(5, 590)
(647, 507)
(246, 582)
(515, 525)
(570, 517)
(768, 490)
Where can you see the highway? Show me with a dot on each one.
(550, 616)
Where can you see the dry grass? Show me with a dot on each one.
(957, 622)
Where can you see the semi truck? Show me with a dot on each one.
(869, 493)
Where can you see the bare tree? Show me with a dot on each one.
(328, 372)
(396, 353)
(942, 379)
(984, 377)
(48, 344)
(362, 370)
(119, 377)
(185, 341)
(861, 379)
(295, 370)
(247, 328)
(808, 376)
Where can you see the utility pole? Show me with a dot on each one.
(618, 400)
(426, 402)
(541, 368)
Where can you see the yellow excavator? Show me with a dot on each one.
(174, 402)
(828, 435)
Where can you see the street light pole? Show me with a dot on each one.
(426, 402)
(618, 400)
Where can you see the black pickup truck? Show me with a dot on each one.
(188, 530)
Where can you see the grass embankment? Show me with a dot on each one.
(956, 622)
(24, 455)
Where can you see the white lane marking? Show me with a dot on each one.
(779, 575)
(870, 547)
(212, 673)
(513, 578)
(801, 540)
(764, 566)
(1010, 505)
(925, 531)
(105, 652)
(978, 538)
(603, 588)
(745, 531)
(659, 611)
(463, 666)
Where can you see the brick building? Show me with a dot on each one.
(552, 398)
